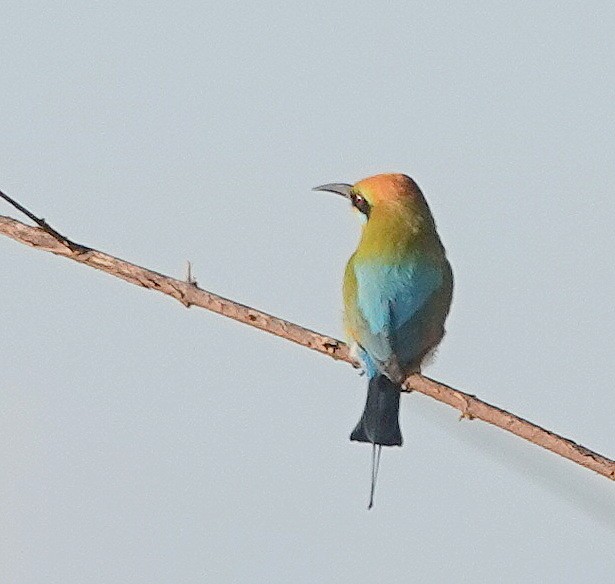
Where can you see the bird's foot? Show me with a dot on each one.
(354, 352)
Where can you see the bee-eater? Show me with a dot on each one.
(397, 290)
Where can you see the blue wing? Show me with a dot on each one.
(400, 304)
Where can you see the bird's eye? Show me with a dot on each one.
(360, 203)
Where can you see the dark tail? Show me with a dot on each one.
(379, 423)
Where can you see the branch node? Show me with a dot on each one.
(466, 415)
(464, 408)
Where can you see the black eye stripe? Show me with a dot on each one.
(360, 203)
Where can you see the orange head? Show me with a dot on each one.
(395, 194)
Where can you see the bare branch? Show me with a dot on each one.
(186, 292)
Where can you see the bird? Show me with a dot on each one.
(397, 292)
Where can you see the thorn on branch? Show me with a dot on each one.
(191, 281)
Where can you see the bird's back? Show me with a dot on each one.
(395, 310)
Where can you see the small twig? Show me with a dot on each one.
(190, 295)
(75, 247)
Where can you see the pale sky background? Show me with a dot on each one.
(141, 442)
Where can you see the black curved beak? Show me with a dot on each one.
(337, 188)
